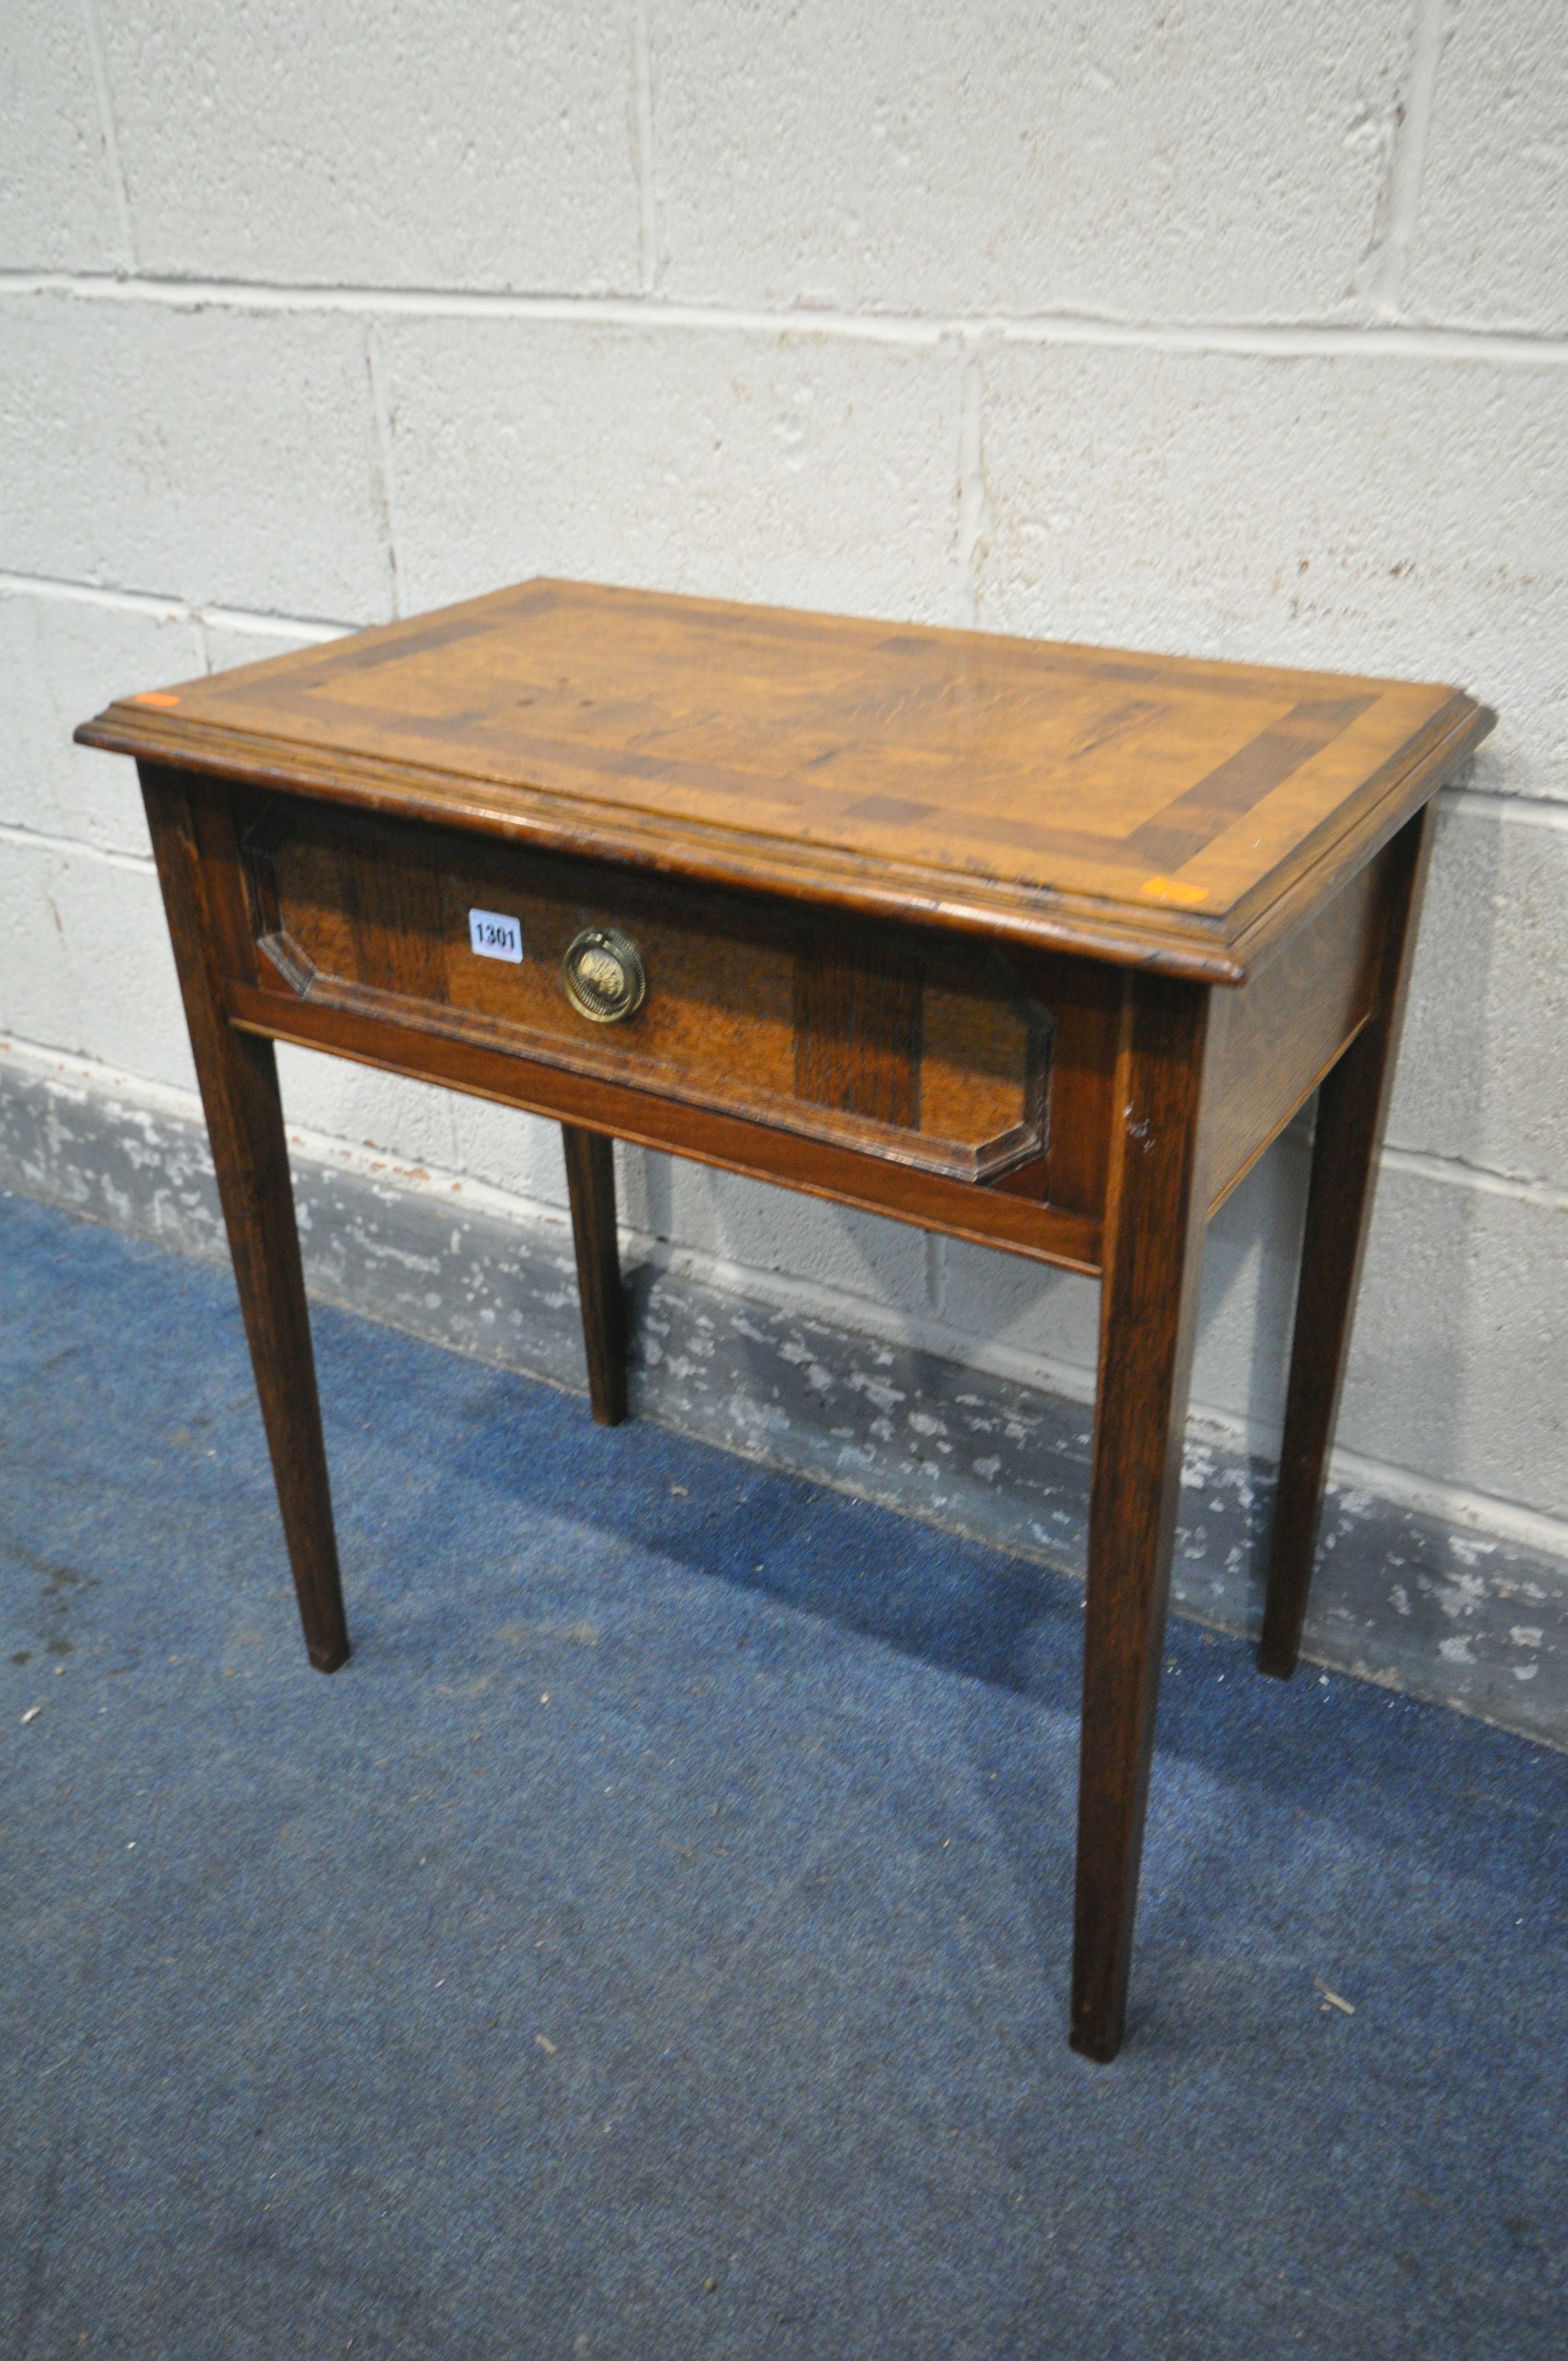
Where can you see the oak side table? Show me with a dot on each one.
(1039, 945)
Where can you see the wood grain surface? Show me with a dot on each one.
(1056, 858)
(992, 1216)
(908, 1042)
(238, 1078)
(1353, 1107)
(1157, 810)
(1288, 1025)
(590, 1187)
(1166, 1084)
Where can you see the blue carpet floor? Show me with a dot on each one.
(655, 1942)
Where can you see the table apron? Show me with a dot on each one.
(757, 1151)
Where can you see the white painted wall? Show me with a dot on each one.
(1239, 332)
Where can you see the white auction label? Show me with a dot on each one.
(494, 936)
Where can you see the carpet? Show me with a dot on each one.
(655, 1942)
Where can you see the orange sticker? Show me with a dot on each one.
(155, 696)
(1172, 889)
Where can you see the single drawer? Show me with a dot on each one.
(918, 1045)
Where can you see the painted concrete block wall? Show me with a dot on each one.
(1232, 331)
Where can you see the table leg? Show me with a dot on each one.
(238, 1077)
(1156, 1209)
(1353, 1106)
(590, 1185)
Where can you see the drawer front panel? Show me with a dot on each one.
(916, 1046)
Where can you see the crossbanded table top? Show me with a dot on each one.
(1169, 811)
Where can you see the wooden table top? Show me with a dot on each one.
(1145, 808)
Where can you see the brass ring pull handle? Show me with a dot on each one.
(604, 975)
